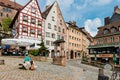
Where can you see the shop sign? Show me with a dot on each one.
(104, 55)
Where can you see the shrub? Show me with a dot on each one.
(34, 52)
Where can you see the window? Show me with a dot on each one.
(60, 22)
(7, 10)
(39, 32)
(113, 30)
(52, 43)
(49, 26)
(32, 20)
(105, 40)
(1, 14)
(53, 35)
(32, 31)
(53, 18)
(39, 23)
(47, 34)
(33, 10)
(119, 39)
(7, 15)
(58, 37)
(59, 29)
(55, 27)
(47, 42)
(97, 42)
(25, 18)
(24, 29)
(63, 31)
(112, 39)
(62, 37)
(105, 31)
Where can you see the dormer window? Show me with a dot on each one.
(113, 30)
(106, 31)
(25, 18)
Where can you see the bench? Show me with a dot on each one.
(2, 62)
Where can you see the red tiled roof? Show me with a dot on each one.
(10, 4)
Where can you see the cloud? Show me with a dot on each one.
(91, 25)
(101, 2)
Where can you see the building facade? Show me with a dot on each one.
(8, 9)
(78, 41)
(106, 48)
(28, 25)
(55, 27)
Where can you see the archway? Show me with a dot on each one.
(71, 54)
(75, 54)
(52, 53)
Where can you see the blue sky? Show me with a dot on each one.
(87, 13)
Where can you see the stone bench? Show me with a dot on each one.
(2, 62)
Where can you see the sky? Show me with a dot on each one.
(87, 13)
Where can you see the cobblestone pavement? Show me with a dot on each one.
(46, 71)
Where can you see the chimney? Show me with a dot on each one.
(47, 6)
(106, 20)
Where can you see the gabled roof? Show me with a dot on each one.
(16, 16)
(29, 2)
(10, 4)
(46, 12)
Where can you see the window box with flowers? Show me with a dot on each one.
(32, 31)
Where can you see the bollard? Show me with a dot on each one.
(101, 72)
(101, 75)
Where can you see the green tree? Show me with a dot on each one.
(6, 23)
(43, 50)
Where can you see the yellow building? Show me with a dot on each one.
(78, 40)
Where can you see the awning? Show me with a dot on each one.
(17, 42)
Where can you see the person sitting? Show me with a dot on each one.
(33, 67)
(26, 65)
